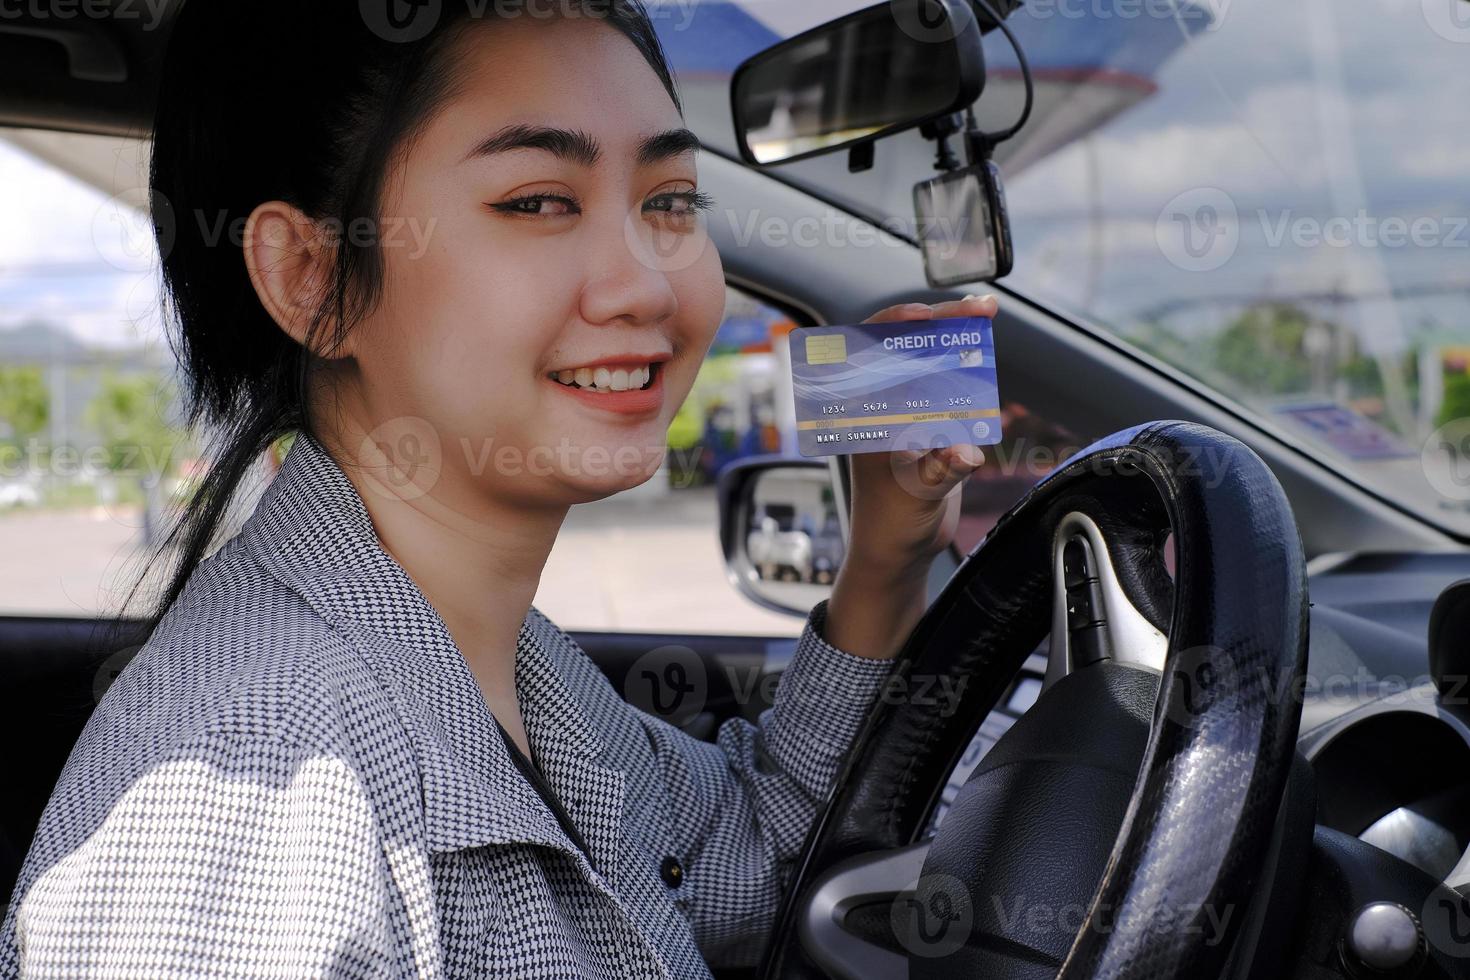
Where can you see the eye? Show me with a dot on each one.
(681, 203)
(532, 205)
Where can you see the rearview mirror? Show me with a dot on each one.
(881, 70)
(781, 529)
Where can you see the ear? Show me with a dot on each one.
(290, 261)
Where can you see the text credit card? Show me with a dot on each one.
(881, 387)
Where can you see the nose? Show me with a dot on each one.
(628, 282)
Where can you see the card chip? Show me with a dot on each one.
(828, 349)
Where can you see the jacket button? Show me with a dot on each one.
(672, 872)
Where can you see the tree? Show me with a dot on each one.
(1456, 404)
(25, 404)
(128, 416)
(1264, 350)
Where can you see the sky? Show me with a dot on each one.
(70, 255)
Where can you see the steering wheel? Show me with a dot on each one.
(1124, 825)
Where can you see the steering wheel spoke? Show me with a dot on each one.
(1092, 617)
(842, 927)
(1123, 826)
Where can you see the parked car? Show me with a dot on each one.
(780, 554)
(16, 493)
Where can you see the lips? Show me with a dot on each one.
(624, 386)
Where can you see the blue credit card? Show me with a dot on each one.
(881, 387)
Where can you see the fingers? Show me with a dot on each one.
(966, 457)
(987, 305)
(903, 311)
(945, 468)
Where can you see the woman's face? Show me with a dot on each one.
(550, 289)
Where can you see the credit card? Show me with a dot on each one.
(881, 387)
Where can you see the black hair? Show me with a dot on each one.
(307, 103)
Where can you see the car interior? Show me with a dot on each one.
(1269, 743)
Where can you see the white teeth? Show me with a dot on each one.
(605, 379)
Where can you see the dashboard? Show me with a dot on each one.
(1389, 751)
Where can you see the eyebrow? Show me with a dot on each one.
(578, 147)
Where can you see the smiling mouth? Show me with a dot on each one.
(606, 380)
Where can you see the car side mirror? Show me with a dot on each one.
(782, 531)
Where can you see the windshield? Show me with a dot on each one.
(1267, 197)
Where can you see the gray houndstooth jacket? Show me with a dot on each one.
(298, 776)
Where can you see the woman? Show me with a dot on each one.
(463, 263)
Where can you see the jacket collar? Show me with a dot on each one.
(313, 531)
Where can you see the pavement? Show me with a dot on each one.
(635, 562)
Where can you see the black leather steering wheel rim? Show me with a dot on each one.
(1199, 824)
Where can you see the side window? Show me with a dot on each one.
(90, 449)
(92, 455)
(676, 583)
